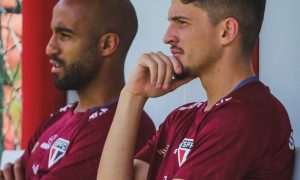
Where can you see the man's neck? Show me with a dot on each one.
(98, 94)
(223, 78)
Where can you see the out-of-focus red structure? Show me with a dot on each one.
(40, 97)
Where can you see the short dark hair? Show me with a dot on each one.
(111, 16)
(119, 16)
(248, 13)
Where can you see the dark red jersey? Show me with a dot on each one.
(246, 135)
(69, 145)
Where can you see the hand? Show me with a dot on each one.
(12, 171)
(152, 76)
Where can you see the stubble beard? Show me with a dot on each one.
(79, 74)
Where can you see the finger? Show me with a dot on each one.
(177, 65)
(169, 70)
(1, 175)
(148, 63)
(161, 69)
(18, 170)
(8, 173)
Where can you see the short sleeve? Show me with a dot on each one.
(32, 141)
(146, 153)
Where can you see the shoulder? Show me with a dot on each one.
(182, 115)
(186, 109)
(251, 109)
(53, 117)
(255, 101)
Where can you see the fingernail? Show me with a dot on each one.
(178, 70)
(166, 86)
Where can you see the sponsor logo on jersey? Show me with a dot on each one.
(184, 149)
(291, 142)
(46, 145)
(35, 168)
(57, 151)
(52, 138)
(163, 151)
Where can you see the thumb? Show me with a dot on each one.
(1, 175)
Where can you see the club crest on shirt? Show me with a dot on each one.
(184, 149)
(57, 151)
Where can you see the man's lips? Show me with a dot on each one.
(176, 52)
(56, 66)
(55, 63)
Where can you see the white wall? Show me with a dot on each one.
(280, 56)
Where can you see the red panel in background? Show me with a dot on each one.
(255, 59)
(40, 97)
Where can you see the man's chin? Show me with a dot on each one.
(185, 74)
(61, 85)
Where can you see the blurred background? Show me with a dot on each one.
(10, 58)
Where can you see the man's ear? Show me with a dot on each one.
(229, 30)
(108, 44)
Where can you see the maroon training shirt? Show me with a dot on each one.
(68, 145)
(246, 135)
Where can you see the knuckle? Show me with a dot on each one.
(161, 63)
(17, 166)
(144, 56)
(7, 166)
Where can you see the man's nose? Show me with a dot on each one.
(52, 47)
(170, 36)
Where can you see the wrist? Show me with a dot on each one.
(133, 97)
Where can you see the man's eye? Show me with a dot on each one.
(64, 35)
(181, 22)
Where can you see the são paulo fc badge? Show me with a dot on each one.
(184, 149)
(57, 151)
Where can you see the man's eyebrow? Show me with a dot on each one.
(177, 18)
(64, 30)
